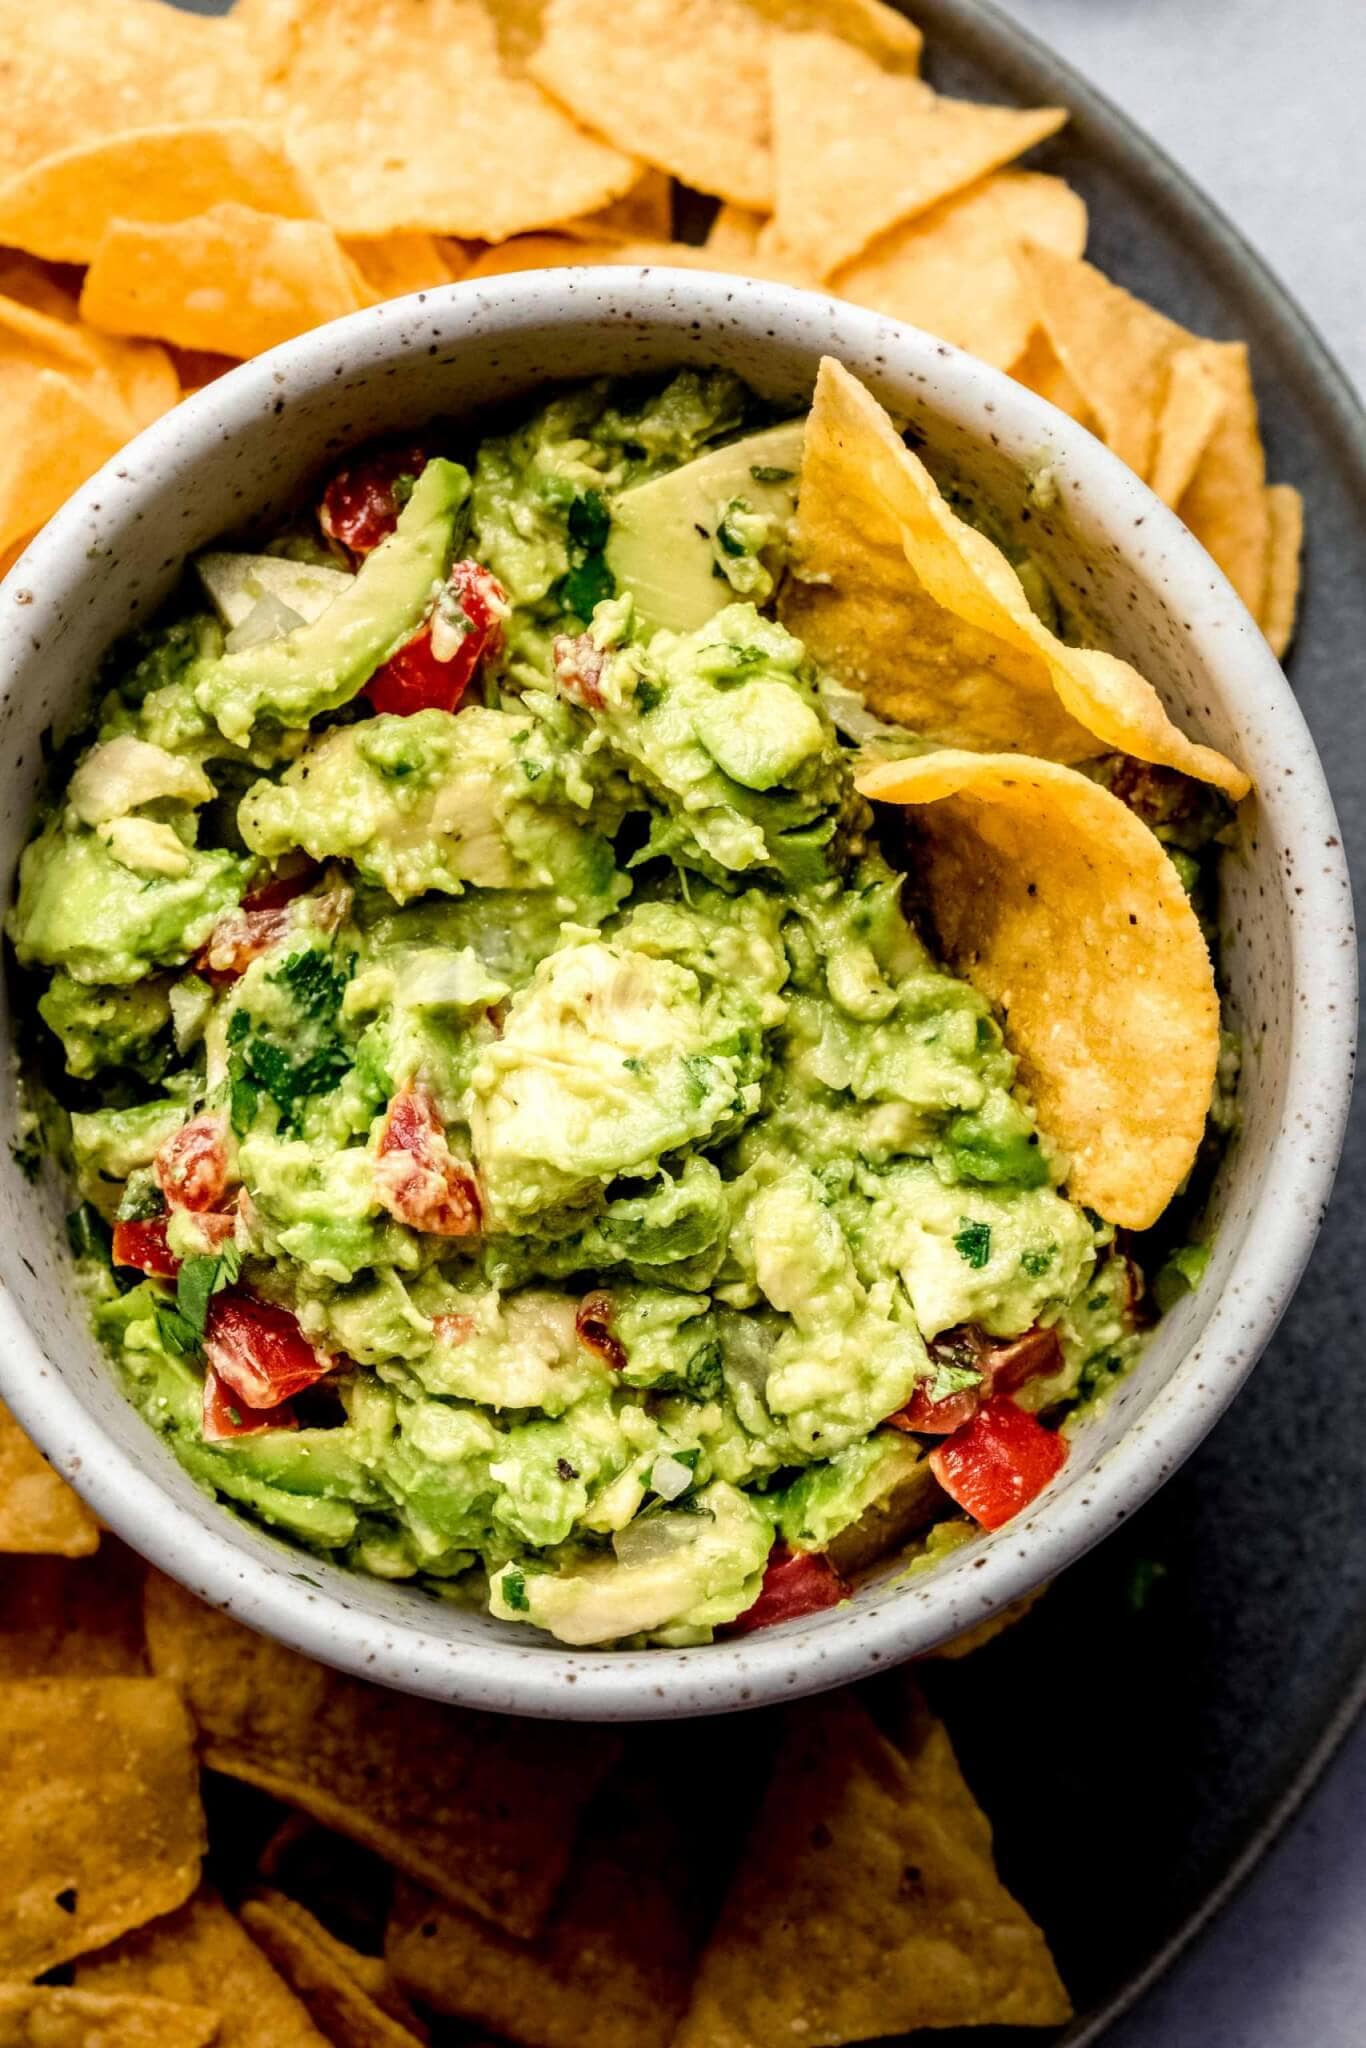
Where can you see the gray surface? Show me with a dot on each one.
(1260, 103)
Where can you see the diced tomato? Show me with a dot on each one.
(260, 1351)
(999, 1462)
(417, 1177)
(593, 1325)
(227, 1415)
(261, 921)
(578, 669)
(796, 1582)
(433, 670)
(144, 1246)
(195, 1165)
(1004, 1369)
(359, 507)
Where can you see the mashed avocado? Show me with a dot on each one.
(544, 1158)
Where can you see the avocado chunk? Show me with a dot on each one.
(319, 666)
(671, 541)
(106, 1027)
(83, 909)
(694, 1566)
(237, 583)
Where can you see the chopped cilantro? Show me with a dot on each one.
(200, 1277)
(648, 694)
(514, 1592)
(703, 1375)
(1035, 1263)
(584, 586)
(949, 1379)
(142, 1198)
(590, 522)
(315, 985)
(262, 1067)
(239, 1026)
(88, 1235)
(533, 770)
(972, 1242)
(177, 1336)
(770, 473)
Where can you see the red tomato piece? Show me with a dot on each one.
(433, 670)
(144, 1246)
(195, 1165)
(578, 669)
(417, 1177)
(227, 1415)
(260, 1351)
(593, 1326)
(999, 1462)
(260, 922)
(359, 507)
(796, 1582)
(1004, 1368)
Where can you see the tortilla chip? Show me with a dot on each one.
(1058, 903)
(862, 1906)
(734, 233)
(1192, 406)
(40, 324)
(72, 70)
(923, 614)
(72, 1618)
(857, 149)
(340, 1883)
(1225, 506)
(551, 252)
(60, 206)
(1039, 370)
(1285, 511)
(408, 115)
(614, 1962)
(687, 88)
(953, 270)
(984, 1632)
(182, 281)
(39, 1513)
(45, 2016)
(1113, 346)
(100, 1821)
(478, 1807)
(539, 252)
(201, 1956)
(350, 1997)
(645, 213)
(394, 265)
(196, 367)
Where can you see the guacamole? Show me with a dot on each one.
(524, 1141)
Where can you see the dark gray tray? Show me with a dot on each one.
(1138, 1760)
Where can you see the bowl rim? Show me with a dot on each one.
(555, 1681)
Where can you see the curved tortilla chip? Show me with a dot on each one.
(1059, 904)
(1285, 509)
(904, 600)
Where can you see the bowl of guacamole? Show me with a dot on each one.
(537, 1186)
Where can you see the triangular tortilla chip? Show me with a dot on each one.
(132, 382)
(201, 1956)
(1192, 407)
(181, 280)
(72, 1617)
(478, 1807)
(100, 1822)
(1113, 346)
(60, 206)
(862, 1906)
(46, 2016)
(39, 1514)
(1039, 370)
(613, 1964)
(410, 115)
(1285, 512)
(906, 602)
(350, 1997)
(1056, 901)
(734, 233)
(953, 270)
(554, 252)
(1225, 505)
(686, 88)
(72, 70)
(394, 265)
(644, 214)
(858, 149)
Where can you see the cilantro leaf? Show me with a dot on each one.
(584, 586)
(590, 522)
(199, 1279)
(514, 1592)
(972, 1242)
(315, 985)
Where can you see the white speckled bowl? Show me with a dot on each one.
(238, 450)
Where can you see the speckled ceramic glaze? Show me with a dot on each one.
(235, 454)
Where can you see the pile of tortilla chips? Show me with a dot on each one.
(208, 1839)
(222, 184)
